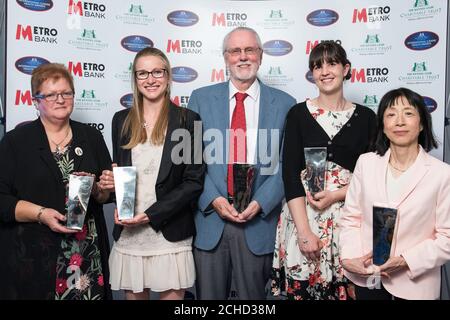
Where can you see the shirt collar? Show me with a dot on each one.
(252, 92)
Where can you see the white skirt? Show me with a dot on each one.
(171, 271)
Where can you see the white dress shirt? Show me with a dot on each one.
(251, 105)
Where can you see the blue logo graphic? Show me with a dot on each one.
(182, 18)
(309, 77)
(28, 64)
(430, 103)
(322, 17)
(127, 100)
(421, 40)
(136, 43)
(183, 74)
(36, 5)
(277, 47)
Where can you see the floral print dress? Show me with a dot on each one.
(78, 266)
(292, 274)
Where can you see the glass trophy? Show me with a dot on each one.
(79, 193)
(383, 233)
(243, 178)
(125, 184)
(316, 165)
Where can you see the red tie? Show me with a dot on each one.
(238, 138)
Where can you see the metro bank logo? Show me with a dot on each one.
(36, 5)
(370, 75)
(311, 44)
(184, 46)
(87, 9)
(36, 34)
(23, 98)
(230, 19)
(87, 69)
(181, 101)
(371, 14)
(218, 75)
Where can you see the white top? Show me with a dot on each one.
(143, 240)
(330, 121)
(251, 105)
(395, 185)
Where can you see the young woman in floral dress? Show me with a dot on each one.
(306, 258)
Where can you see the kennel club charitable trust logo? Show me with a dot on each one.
(419, 73)
(422, 9)
(125, 73)
(276, 19)
(89, 100)
(276, 76)
(88, 39)
(372, 45)
(36, 5)
(136, 14)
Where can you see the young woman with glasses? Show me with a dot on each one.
(153, 250)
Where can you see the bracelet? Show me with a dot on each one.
(40, 212)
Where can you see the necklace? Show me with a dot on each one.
(145, 125)
(58, 149)
(397, 168)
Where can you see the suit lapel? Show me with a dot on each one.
(267, 118)
(381, 175)
(166, 161)
(45, 152)
(222, 120)
(416, 172)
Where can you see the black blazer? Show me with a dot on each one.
(28, 171)
(178, 186)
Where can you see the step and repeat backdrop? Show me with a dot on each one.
(390, 44)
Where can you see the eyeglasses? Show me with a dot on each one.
(52, 97)
(156, 73)
(249, 51)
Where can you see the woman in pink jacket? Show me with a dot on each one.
(402, 176)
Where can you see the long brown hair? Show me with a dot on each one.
(132, 126)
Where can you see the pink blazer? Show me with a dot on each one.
(422, 234)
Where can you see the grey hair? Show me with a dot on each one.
(225, 39)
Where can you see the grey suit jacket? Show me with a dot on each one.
(212, 103)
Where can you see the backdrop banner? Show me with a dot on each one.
(390, 44)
